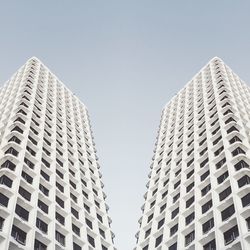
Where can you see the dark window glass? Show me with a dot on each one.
(41, 225)
(5, 180)
(227, 213)
(207, 226)
(91, 240)
(158, 240)
(60, 218)
(22, 213)
(8, 164)
(4, 200)
(189, 218)
(43, 206)
(231, 234)
(246, 200)
(206, 206)
(19, 235)
(60, 238)
(175, 212)
(224, 194)
(24, 193)
(189, 238)
(210, 245)
(205, 190)
(39, 245)
(173, 229)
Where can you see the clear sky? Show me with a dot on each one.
(125, 60)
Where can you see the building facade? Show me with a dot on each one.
(198, 194)
(51, 193)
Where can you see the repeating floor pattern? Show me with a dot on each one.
(51, 193)
(199, 189)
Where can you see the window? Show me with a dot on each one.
(27, 177)
(224, 194)
(208, 225)
(19, 119)
(59, 174)
(211, 245)
(222, 177)
(60, 238)
(12, 151)
(235, 139)
(173, 247)
(44, 190)
(1, 223)
(205, 190)
(41, 225)
(8, 164)
(158, 240)
(147, 233)
(5, 180)
(238, 151)
(189, 238)
(44, 175)
(29, 163)
(173, 229)
(245, 180)
(190, 162)
(189, 187)
(91, 240)
(205, 175)
(24, 193)
(39, 245)
(4, 200)
(190, 174)
(204, 163)
(231, 235)
(76, 229)
(76, 247)
(162, 208)
(189, 218)
(161, 223)
(19, 235)
(217, 140)
(232, 129)
(60, 202)
(150, 217)
(189, 202)
(31, 151)
(175, 212)
(89, 223)
(241, 164)
(60, 218)
(218, 151)
(176, 197)
(46, 163)
(206, 206)
(14, 139)
(16, 128)
(43, 206)
(248, 223)
(22, 213)
(246, 200)
(227, 213)
(75, 213)
(60, 187)
(220, 163)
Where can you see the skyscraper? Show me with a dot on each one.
(51, 193)
(198, 194)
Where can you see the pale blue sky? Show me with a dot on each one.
(125, 60)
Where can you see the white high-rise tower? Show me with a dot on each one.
(51, 194)
(199, 190)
